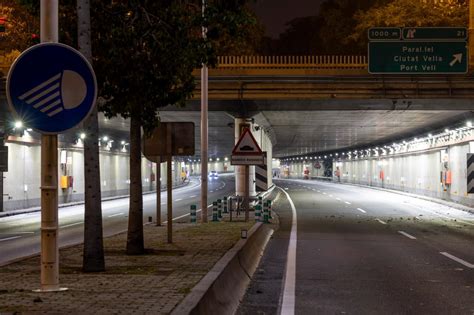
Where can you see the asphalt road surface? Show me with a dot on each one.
(20, 234)
(364, 251)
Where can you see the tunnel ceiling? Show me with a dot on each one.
(302, 132)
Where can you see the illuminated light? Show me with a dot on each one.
(446, 130)
(218, 159)
(210, 160)
(82, 136)
(430, 135)
(29, 129)
(122, 142)
(105, 138)
(18, 124)
(469, 124)
(416, 139)
(227, 159)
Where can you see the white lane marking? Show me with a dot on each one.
(115, 215)
(380, 221)
(330, 196)
(362, 210)
(69, 225)
(319, 191)
(288, 304)
(407, 235)
(212, 191)
(9, 238)
(17, 233)
(347, 202)
(286, 188)
(338, 199)
(456, 259)
(192, 196)
(179, 199)
(324, 193)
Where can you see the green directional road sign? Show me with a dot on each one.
(409, 57)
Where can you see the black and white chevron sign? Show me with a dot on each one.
(470, 173)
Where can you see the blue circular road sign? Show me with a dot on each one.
(51, 87)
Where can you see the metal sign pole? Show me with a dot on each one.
(49, 174)
(471, 35)
(247, 192)
(170, 201)
(204, 131)
(158, 192)
(170, 183)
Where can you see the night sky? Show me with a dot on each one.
(275, 13)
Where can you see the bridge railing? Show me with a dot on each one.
(292, 62)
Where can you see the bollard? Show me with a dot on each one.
(269, 203)
(150, 219)
(225, 205)
(219, 208)
(257, 213)
(193, 214)
(214, 212)
(265, 212)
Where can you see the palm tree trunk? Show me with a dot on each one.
(135, 243)
(93, 255)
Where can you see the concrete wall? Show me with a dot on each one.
(22, 181)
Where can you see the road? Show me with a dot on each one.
(20, 234)
(363, 251)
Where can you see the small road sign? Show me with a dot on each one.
(422, 50)
(51, 87)
(247, 151)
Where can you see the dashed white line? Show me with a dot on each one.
(347, 202)
(362, 210)
(319, 191)
(9, 238)
(459, 260)
(330, 196)
(338, 199)
(192, 196)
(407, 235)
(115, 215)
(380, 221)
(179, 199)
(324, 193)
(69, 225)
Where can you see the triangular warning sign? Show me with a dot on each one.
(246, 145)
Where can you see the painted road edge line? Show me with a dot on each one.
(9, 238)
(72, 224)
(407, 235)
(288, 303)
(362, 210)
(380, 221)
(456, 259)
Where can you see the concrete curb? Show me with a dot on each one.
(220, 291)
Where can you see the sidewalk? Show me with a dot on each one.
(153, 283)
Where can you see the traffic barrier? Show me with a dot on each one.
(225, 205)
(269, 204)
(258, 213)
(214, 212)
(265, 212)
(219, 208)
(193, 214)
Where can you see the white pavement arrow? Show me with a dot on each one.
(457, 58)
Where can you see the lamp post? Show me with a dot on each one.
(204, 133)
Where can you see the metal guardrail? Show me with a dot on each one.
(292, 62)
(270, 62)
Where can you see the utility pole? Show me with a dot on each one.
(204, 133)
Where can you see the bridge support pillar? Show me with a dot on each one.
(240, 124)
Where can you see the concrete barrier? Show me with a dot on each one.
(220, 291)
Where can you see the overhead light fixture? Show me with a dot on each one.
(82, 136)
(469, 124)
(18, 124)
(105, 138)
